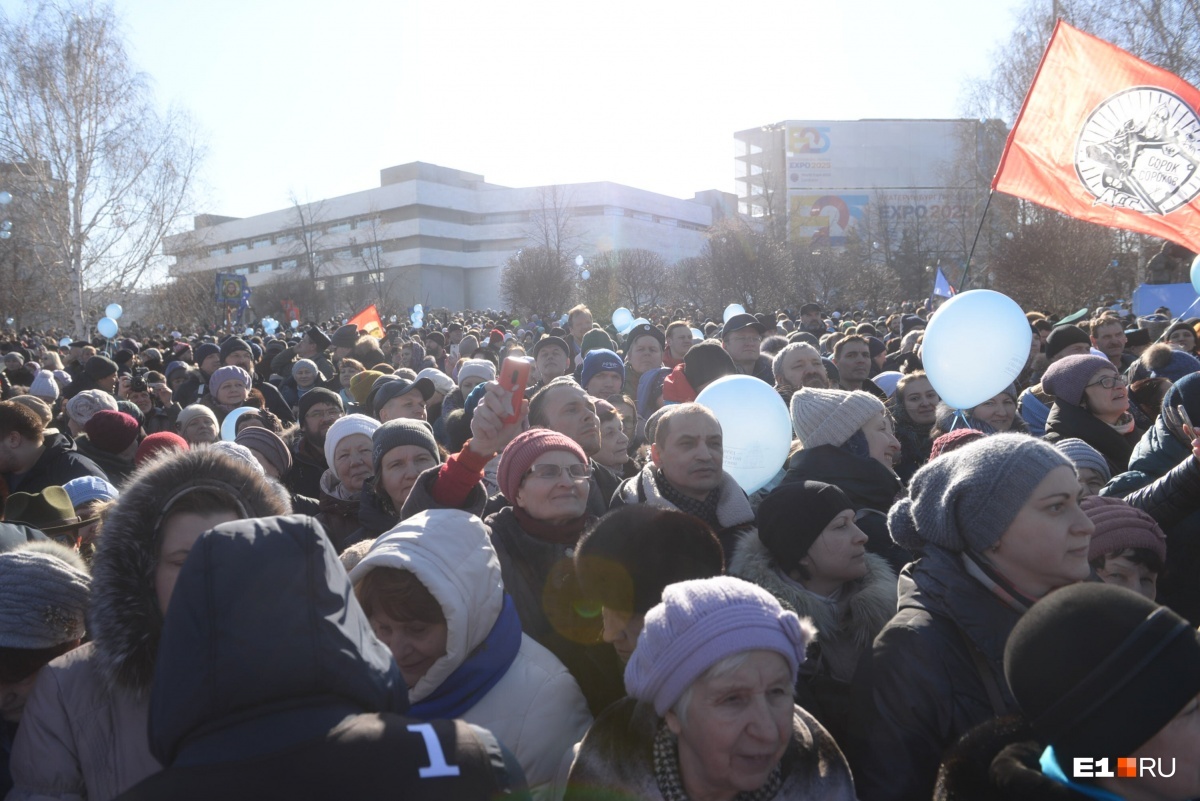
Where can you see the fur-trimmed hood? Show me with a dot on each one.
(124, 620)
(865, 608)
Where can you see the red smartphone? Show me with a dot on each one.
(514, 376)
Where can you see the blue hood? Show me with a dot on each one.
(264, 646)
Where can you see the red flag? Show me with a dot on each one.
(1107, 138)
(368, 321)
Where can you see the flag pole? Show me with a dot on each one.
(962, 282)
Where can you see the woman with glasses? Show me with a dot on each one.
(1091, 403)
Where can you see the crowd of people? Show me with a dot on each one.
(321, 563)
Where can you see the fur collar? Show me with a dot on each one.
(870, 601)
(733, 509)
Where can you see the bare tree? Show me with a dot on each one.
(537, 281)
(639, 276)
(80, 125)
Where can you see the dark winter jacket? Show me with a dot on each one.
(60, 462)
(616, 759)
(308, 465)
(270, 684)
(84, 730)
(921, 686)
(540, 577)
(871, 487)
(1067, 421)
(762, 370)
(115, 468)
(915, 440)
(338, 516)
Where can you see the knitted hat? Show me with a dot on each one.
(99, 367)
(1160, 359)
(227, 373)
(596, 338)
(202, 352)
(151, 355)
(1098, 669)
(86, 489)
(395, 433)
(441, 382)
(1120, 526)
(630, 555)
(705, 362)
(130, 408)
(344, 427)
(390, 387)
(233, 345)
(44, 386)
(162, 442)
(268, 443)
(173, 367)
(967, 499)
(345, 337)
(361, 383)
(599, 361)
(1063, 336)
(190, 413)
(239, 452)
(44, 590)
(953, 440)
(1067, 378)
(793, 515)
(81, 407)
(831, 416)
(520, 454)
(437, 337)
(111, 432)
(317, 395)
(699, 623)
(301, 364)
(479, 368)
(1083, 455)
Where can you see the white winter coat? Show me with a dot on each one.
(536, 710)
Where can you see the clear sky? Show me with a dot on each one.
(315, 97)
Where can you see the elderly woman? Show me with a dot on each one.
(710, 713)
(348, 452)
(613, 453)
(305, 375)
(997, 525)
(1091, 403)
(433, 591)
(228, 389)
(913, 407)
(84, 730)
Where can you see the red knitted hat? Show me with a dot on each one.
(1120, 526)
(162, 442)
(524, 450)
(111, 431)
(953, 440)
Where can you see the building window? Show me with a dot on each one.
(339, 228)
(287, 264)
(216, 252)
(264, 268)
(242, 271)
(372, 251)
(319, 286)
(346, 280)
(281, 239)
(239, 247)
(344, 255)
(261, 243)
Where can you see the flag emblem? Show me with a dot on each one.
(1140, 150)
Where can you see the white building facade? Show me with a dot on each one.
(438, 236)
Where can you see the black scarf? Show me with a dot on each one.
(706, 509)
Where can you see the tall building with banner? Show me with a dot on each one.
(829, 182)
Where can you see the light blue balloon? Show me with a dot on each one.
(732, 309)
(64, 342)
(416, 319)
(1196, 274)
(107, 327)
(622, 319)
(114, 311)
(755, 426)
(249, 332)
(951, 354)
(295, 324)
(419, 308)
(229, 426)
(697, 335)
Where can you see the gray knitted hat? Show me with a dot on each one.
(1084, 455)
(81, 407)
(1067, 378)
(831, 416)
(395, 433)
(967, 499)
(44, 590)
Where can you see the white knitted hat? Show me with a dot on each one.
(831, 416)
(344, 427)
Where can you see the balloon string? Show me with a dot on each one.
(959, 417)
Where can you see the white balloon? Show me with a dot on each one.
(731, 310)
(962, 375)
(622, 319)
(114, 311)
(697, 335)
(229, 425)
(755, 426)
(107, 327)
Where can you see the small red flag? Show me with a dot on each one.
(1105, 137)
(368, 321)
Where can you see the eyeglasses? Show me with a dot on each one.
(323, 414)
(1110, 382)
(579, 472)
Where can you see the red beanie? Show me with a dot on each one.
(111, 431)
(524, 450)
(953, 440)
(162, 442)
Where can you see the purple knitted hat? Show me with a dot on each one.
(701, 622)
(1067, 378)
(1120, 526)
(520, 454)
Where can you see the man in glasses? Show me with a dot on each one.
(686, 473)
(318, 410)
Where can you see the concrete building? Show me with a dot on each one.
(435, 235)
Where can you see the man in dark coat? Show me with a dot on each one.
(30, 459)
(291, 696)
(319, 409)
